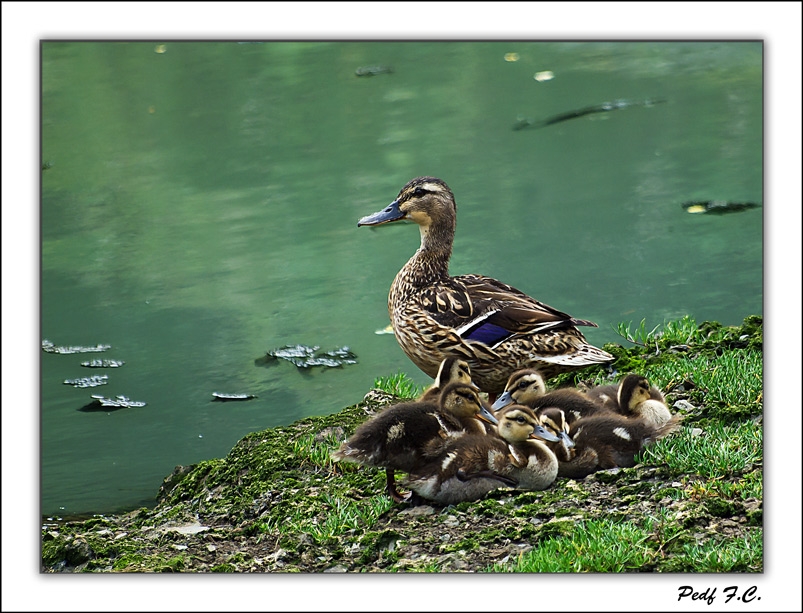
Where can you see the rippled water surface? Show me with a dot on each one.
(199, 208)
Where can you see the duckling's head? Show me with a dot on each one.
(427, 201)
(633, 390)
(554, 420)
(453, 370)
(517, 423)
(463, 400)
(523, 387)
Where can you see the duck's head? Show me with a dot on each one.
(517, 423)
(453, 370)
(427, 201)
(463, 400)
(523, 387)
(554, 420)
(633, 390)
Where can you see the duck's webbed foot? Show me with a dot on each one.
(485, 474)
(391, 490)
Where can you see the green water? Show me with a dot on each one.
(201, 203)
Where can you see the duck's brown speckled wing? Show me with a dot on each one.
(485, 310)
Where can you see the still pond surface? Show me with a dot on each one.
(200, 200)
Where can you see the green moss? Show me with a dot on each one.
(224, 568)
(718, 507)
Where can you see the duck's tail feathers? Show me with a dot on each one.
(668, 428)
(582, 322)
(585, 355)
(346, 454)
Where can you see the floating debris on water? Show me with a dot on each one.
(511, 57)
(224, 397)
(93, 381)
(52, 348)
(524, 122)
(103, 364)
(718, 207)
(386, 330)
(370, 71)
(100, 403)
(544, 75)
(304, 356)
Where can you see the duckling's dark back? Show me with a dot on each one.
(397, 437)
(575, 405)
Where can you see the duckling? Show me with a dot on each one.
(634, 397)
(403, 436)
(522, 387)
(638, 398)
(451, 370)
(527, 387)
(496, 328)
(610, 440)
(471, 466)
(554, 420)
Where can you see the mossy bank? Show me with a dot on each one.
(277, 503)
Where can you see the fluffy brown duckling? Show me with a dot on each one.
(610, 440)
(471, 466)
(404, 436)
(527, 387)
(554, 420)
(634, 397)
(451, 370)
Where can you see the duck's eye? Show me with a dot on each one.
(419, 191)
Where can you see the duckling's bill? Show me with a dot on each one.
(566, 439)
(486, 415)
(543, 433)
(505, 399)
(391, 212)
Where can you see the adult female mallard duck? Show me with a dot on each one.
(471, 466)
(494, 327)
(404, 436)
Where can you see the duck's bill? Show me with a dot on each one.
(503, 400)
(390, 213)
(544, 434)
(567, 440)
(486, 415)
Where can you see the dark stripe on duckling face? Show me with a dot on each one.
(522, 388)
(462, 400)
(633, 390)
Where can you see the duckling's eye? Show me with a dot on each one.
(523, 385)
(521, 420)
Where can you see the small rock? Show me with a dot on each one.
(696, 431)
(683, 405)
(336, 569)
(211, 548)
(194, 528)
(180, 547)
(415, 511)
